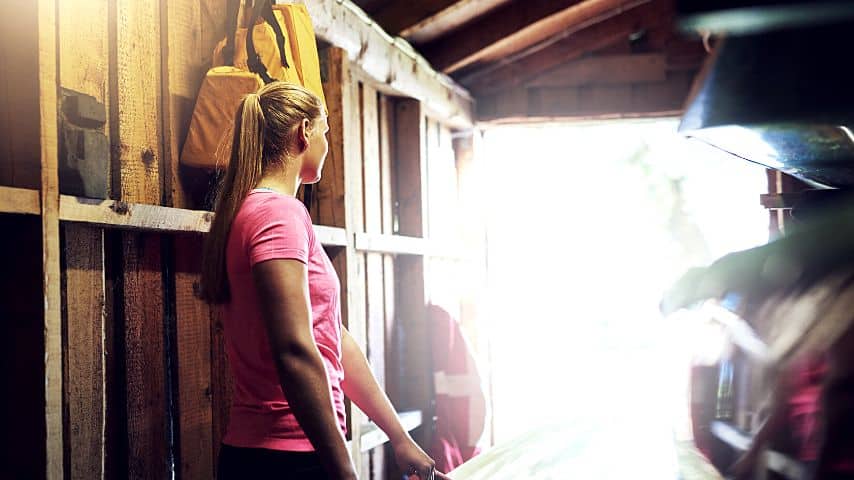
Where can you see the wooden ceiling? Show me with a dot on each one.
(552, 58)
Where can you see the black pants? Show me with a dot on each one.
(237, 463)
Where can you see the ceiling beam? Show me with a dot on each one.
(464, 46)
(606, 70)
(518, 26)
(572, 44)
(590, 102)
(449, 19)
(400, 15)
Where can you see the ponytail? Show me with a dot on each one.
(262, 132)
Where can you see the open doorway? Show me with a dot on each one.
(588, 224)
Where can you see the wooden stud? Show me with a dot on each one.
(48, 136)
(374, 286)
(19, 200)
(193, 322)
(85, 349)
(84, 68)
(182, 72)
(411, 387)
(139, 127)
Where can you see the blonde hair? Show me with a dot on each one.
(265, 126)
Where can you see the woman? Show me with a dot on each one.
(291, 359)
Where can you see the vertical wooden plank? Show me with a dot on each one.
(138, 71)
(413, 378)
(329, 192)
(139, 109)
(374, 282)
(144, 356)
(84, 68)
(221, 386)
(85, 372)
(48, 136)
(194, 363)
(182, 73)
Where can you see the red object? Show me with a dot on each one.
(460, 400)
(272, 226)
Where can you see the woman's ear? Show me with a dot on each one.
(304, 134)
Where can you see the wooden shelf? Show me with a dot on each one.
(132, 216)
(403, 245)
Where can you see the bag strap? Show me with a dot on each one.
(253, 60)
(231, 13)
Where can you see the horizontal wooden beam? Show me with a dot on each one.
(132, 216)
(403, 245)
(593, 102)
(572, 44)
(391, 63)
(606, 70)
(398, 16)
(19, 200)
(449, 19)
(503, 26)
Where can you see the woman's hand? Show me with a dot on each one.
(416, 464)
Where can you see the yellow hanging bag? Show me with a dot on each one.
(280, 46)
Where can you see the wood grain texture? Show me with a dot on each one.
(139, 109)
(329, 192)
(144, 356)
(394, 68)
(49, 152)
(221, 385)
(411, 389)
(182, 71)
(374, 282)
(20, 200)
(85, 350)
(193, 318)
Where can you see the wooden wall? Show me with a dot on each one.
(134, 382)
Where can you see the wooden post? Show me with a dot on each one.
(413, 379)
(48, 134)
(83, 52)
(340, 196)
(137, 64)
(374, 278)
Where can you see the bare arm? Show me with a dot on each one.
(282, 287)
(362, 388)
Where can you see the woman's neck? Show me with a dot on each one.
(285, 180)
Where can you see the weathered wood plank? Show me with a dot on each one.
(606, 70)
(133, 216)
(84, 68)
(221, 385)
(85, 371)
(572, 44)
(19, 200)
(193, 324)
(182, 72)
(398, 16)
(49, 152)
(329, 192)
(374, 286)
(144, 356)
(139, 108)
(411, 388)
(393, 66)
(517, 23)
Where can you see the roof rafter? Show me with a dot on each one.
(569, 45)
(398, 16)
